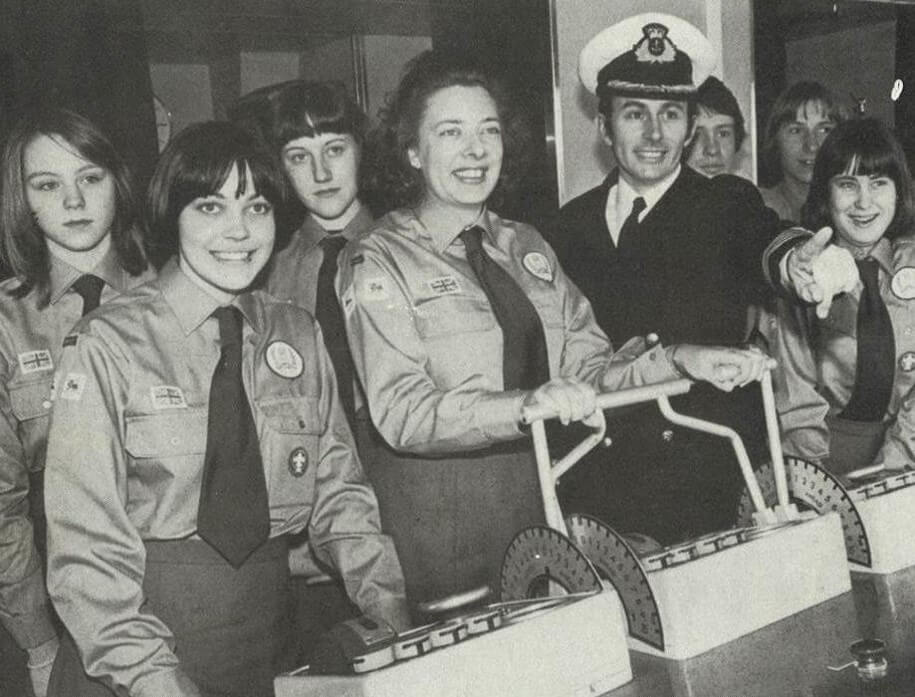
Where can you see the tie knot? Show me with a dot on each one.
(868, 270)
(332, 244)
(472, 238)
(89, 288)
(638, 205)
(230, 324)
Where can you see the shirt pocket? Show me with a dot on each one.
(290, 430)
(166, 451)
(175, 433)
(451, 316)
(31, 406)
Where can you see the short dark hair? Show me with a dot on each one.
(862, 147)
(389, 180)
(714, 96)
(195, 164)
(305, 109)
(785, 109)
(22, 242)
(254, 111)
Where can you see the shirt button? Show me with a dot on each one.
(667, 435)
(175, 440)
(907, 331)
(46, 404)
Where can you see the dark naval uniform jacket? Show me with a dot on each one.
(694, 271)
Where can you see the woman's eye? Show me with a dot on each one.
(93, 178)
(450, 132)
(209, 207)
(493, 130)
(261, 208)
(46, 185)
(335, 150)
(880, 182)
(297, 158)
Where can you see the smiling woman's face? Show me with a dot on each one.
(862, 207)
(225, 239)
(459, 148)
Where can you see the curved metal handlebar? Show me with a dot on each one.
(620, 398)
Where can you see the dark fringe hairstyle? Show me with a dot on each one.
(197, 163)
(860, 147)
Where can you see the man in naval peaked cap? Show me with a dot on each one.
(659, 248)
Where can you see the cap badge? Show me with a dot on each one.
(654, 46)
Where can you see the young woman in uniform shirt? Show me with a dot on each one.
(70, 239)
(209, 428)
(849, 377)
(448, 360)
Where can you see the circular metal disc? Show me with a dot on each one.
(819, 490)
(617, 562)
(539, 555)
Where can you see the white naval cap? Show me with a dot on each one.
(650, 53)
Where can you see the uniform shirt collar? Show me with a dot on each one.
(192, 305)
(621, 195)
(626, 194)
(444, 232)
(63, 275)
(882, 252)
(312, 232)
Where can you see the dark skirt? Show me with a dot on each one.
(452, 518)
(229, 624)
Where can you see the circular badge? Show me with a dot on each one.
(903, 283)
(539, 266)
(298, 462)
(284, 360)
(907, 362)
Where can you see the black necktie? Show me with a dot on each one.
(630, 226)
(89, 288)
(233, 515)
(525, 363)
(876, 361)
(330, 317)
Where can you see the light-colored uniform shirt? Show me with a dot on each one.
(428, 347)
(293, 272)
(126, 457)
(818, 360)
(31, 339)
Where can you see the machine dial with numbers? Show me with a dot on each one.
(819, 490)
(539, 556)
(616, 561)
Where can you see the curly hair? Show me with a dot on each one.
(22, 242)
(860, 147)
(389, 181)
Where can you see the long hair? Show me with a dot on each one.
(860, 147)
(389, 180)
(22, 242)
(806, 94)
(195, 164)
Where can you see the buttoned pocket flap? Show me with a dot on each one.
(179, 432)
(31, 400)
(299, 415)
(453, 316)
